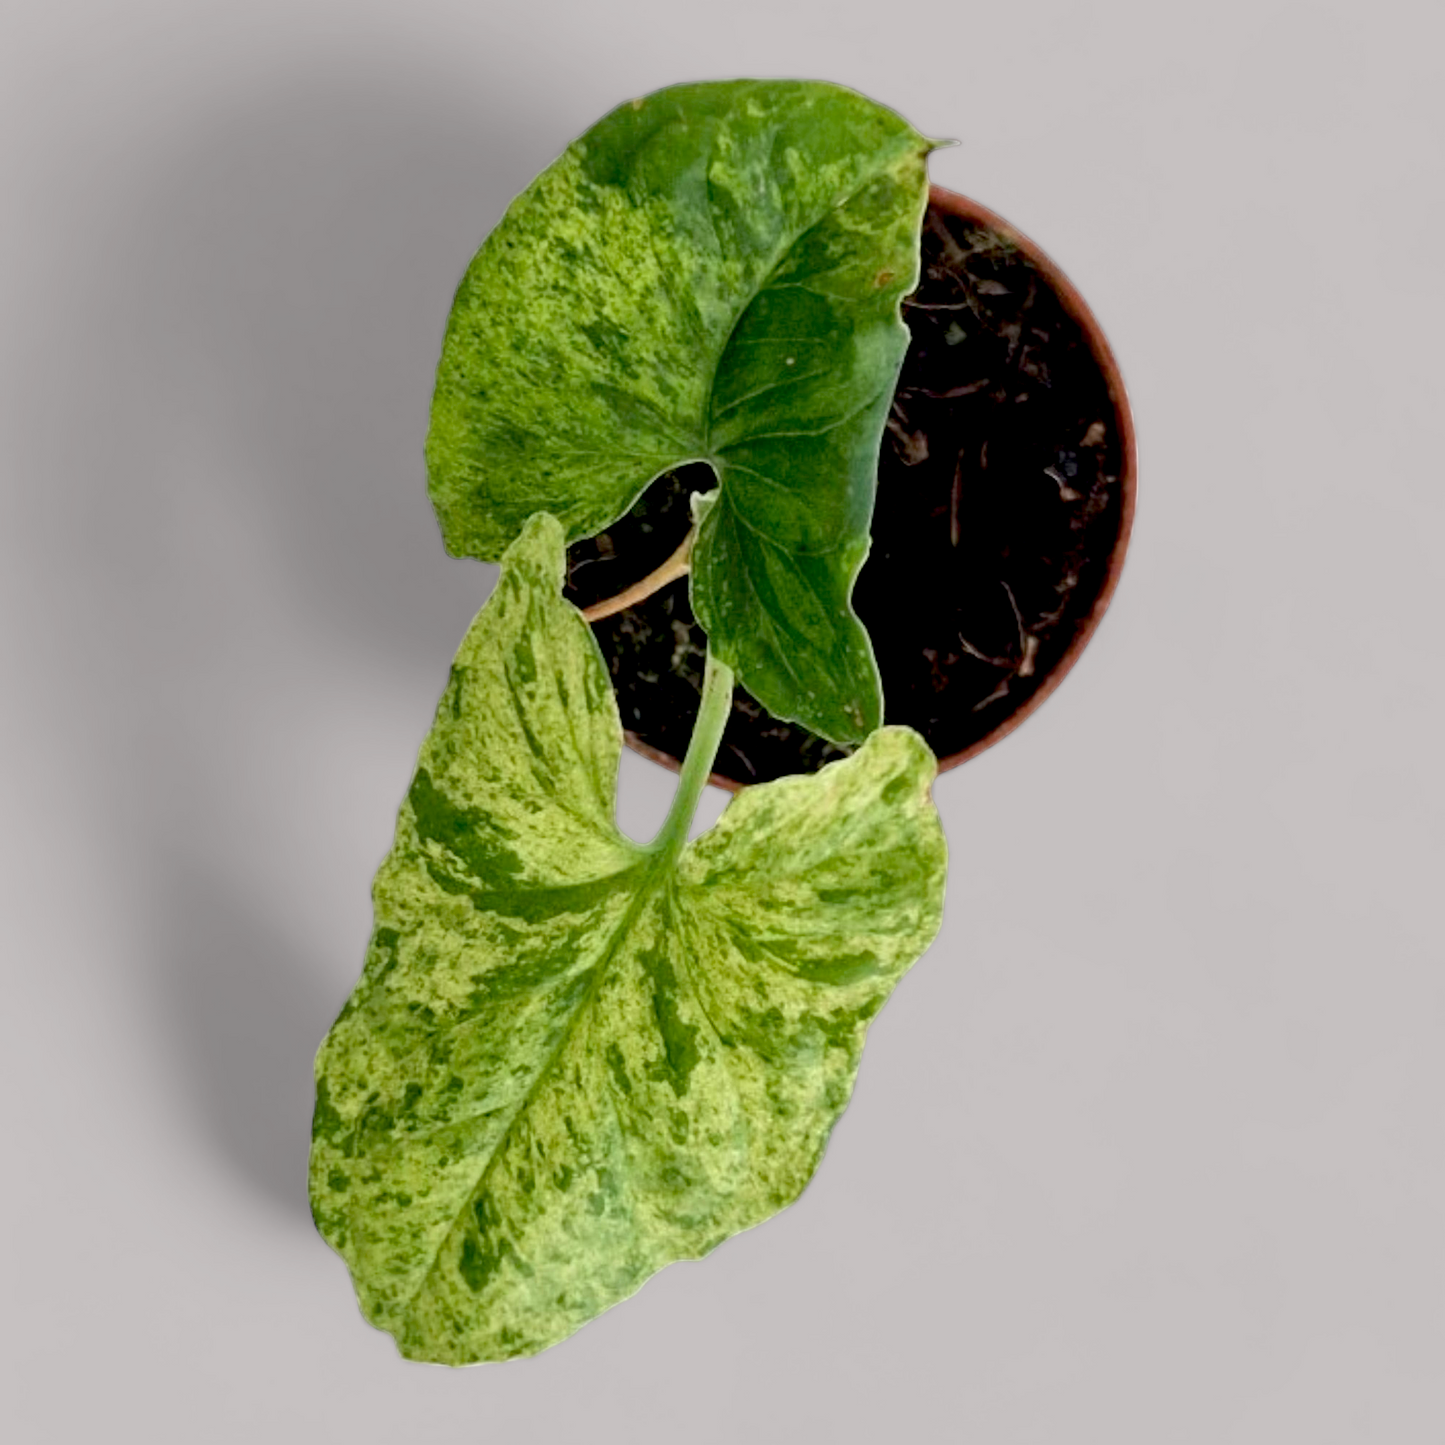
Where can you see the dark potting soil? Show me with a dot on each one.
(998, 509)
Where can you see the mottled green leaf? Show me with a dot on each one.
(710, 274)
(572, 1059)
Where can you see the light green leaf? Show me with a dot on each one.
(711, 274)
(572, 1059)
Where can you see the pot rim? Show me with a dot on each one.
(1075, 306)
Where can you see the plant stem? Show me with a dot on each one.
(712, 716)
(676, 566)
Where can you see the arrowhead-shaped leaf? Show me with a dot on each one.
(712, 273)
(571, 1059)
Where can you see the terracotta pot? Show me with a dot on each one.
(1082, 614)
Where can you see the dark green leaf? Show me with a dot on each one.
(712, 273)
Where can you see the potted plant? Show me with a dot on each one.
(571, 1058)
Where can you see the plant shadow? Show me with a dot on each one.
(244, 1009)
(250, 504)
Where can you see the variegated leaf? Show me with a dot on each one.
(712, 273)
(572, 1059)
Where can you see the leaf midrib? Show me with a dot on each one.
(779, 256)
(658, 872)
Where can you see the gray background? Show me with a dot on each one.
(1148, 1148)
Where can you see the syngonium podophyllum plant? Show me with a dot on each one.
(572, 1058)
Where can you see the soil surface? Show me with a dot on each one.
(998, 508)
